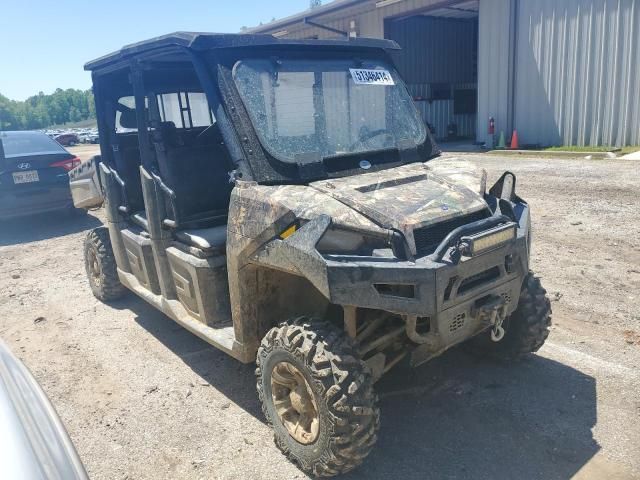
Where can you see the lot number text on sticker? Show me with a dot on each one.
(362, 76)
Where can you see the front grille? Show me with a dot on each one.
(428, 238)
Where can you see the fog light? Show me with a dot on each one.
(489, 239)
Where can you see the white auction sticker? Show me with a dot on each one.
(363, 76)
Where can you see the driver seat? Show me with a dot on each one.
(197, 176)
(211, 240)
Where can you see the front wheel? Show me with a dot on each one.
(100, 264)
(526, 329)
(318, 396)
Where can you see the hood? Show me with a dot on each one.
(411, 196)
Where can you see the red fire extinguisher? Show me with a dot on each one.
(492, 126)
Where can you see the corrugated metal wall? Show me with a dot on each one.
(437, 50)
(578, 72)
(494, 66)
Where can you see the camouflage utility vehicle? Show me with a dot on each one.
(282, 200)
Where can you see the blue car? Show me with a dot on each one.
(33, 174)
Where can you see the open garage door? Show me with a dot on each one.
(439, 62)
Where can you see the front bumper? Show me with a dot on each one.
(448, 293)
(433, 287)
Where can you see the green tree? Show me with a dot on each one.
(42, 111)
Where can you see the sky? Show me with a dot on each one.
(44, 44)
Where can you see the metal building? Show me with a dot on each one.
(561, 72)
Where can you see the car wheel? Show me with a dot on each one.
(100, 265)
(318, 396)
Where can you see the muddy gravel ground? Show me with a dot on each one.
(144, 399)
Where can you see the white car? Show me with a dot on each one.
(33, 441)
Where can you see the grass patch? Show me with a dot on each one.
(627, 150)
(618, 151)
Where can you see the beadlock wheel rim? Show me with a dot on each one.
(94, 267)
(294, 403)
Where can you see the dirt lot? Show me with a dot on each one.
(144, 399)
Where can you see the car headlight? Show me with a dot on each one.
(354, 240)
(339, 240)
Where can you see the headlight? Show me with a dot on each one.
(339, 240)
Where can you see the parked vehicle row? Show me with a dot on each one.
(69, 138)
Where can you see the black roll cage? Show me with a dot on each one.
(212, 57)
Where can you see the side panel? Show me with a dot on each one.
(260, 279)
(201, 286)
(253, 221)
(140, 255)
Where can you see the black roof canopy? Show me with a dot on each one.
(208, 41)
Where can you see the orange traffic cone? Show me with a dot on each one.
(514, 141)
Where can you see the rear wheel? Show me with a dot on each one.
(318, 396)
(100, 265)
(526, 329)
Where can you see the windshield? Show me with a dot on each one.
(304, 110)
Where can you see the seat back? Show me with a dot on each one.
(196, 170)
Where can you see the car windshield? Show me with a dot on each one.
(28, 143)
(304, 110)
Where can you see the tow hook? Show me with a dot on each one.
(497, 332)
(494, 312)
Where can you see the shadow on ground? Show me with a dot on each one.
(44, 226)
(455, 417)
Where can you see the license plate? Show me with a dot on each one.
(26, 177)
